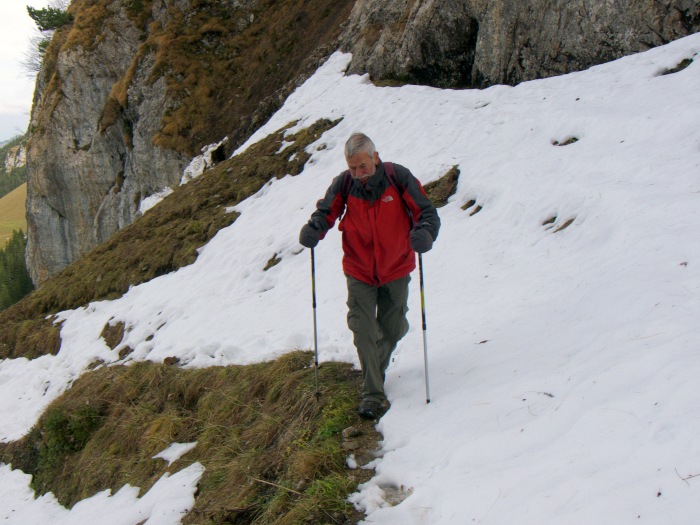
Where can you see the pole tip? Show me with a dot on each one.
(427, 401)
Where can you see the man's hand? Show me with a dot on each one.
(421, 240)
(309, 235)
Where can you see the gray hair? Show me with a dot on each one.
(357, 143)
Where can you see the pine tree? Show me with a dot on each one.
(49, 18)
(47, 21)
(15, 281)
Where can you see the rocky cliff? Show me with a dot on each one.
(16, 158)
(478, 43)
(85, 179)
(134, 88)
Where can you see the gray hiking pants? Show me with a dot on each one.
(377, 319)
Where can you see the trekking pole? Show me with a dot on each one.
(313, 302)
(425, 338)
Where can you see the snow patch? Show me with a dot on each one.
(199, 164)
(175, 451)
(165, 503)
(151, 201)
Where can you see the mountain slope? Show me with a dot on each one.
(12, 216)
(561, 295)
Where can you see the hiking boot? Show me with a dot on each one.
(369, 409)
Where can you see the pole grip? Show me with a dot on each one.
(422, 291)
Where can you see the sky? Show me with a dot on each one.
(562, 306)
(16, 90)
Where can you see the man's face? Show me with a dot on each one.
(362, 166)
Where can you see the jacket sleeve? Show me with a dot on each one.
(330, 207)
(422, 210)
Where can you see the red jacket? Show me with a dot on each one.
(377, 223)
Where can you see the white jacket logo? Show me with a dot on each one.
(388, 198)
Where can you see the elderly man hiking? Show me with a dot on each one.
(387, 218)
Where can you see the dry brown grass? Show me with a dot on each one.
(28, 337)
(220, 67)
(442, 189)
(113, 333)
(271, 450)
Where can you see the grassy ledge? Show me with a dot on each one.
(271, 450)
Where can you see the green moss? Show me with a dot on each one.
(63, 433)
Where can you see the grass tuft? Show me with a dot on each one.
(565, 142)
(442, 189)
(680, 67)
(113, 334)
(273, 261)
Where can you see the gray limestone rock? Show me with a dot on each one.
(476, 43)
(86, 178)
